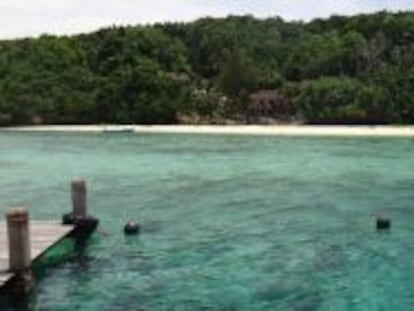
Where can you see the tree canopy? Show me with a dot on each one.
(357, 69)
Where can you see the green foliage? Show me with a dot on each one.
(237, 79)
(339, 100)
(238, 75)
(115, 75)
(355, 69)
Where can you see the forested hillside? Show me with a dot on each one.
(341, 70)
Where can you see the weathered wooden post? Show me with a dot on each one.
(19, 239)
(19, 248)
(83, 222)
(79, 198)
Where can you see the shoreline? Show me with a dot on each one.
(260, 130)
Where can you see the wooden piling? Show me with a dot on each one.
(18, 232)
(79, 199)
(19, 239)
(85, 224)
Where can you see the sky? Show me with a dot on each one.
(28, 18)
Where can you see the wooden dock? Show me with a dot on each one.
(22, 241)
(43, 235)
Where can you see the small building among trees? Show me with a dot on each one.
(269, 106)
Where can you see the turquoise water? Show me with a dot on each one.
(229, 222)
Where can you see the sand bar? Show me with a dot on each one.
(276, 130)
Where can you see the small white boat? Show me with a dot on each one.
(118, 129)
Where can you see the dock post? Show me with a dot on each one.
(19, 248)
(84, 223)
(79, 198)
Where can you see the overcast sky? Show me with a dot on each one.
(20, 18)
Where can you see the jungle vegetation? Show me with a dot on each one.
(357, 70)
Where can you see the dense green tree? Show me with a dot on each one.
(238, 74)
(237, 79)
(340, 100)
(356, 69)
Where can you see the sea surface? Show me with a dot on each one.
(229, 223)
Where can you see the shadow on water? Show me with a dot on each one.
(68, 251)
(12, 302)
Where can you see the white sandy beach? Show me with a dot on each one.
(277, 130)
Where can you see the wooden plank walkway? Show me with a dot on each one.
(43, 235)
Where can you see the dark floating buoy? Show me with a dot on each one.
(383, 223)
(131, 228)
